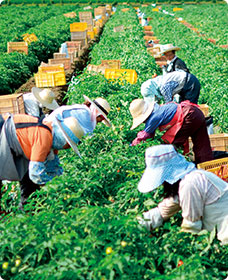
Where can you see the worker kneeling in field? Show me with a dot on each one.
(28, 149)
(200, 195)
(177, 83)
(178, 121)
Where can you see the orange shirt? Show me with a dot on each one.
(36, 142)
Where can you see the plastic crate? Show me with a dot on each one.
(65, 61)
(113, 64)
(125, 9)
(51, 69)
(218, 167)
(126, 74)
(12, 103)
(90, 35)
(147, 28)
(50, 79)
(148, 33)
(96, 30)
(59, 55)
(29, 38)
(155, 10)
(205, 109)
(70, 15)
(96, 68)
(177, 9)
(17, 47)
(74, 44)
(78, 26)
(85, 15)
(78, 35)
(148, 38)
(82, 41)
(100, 11)
(219, 142)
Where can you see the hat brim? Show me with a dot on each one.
(169, 50)
(150, 180)
(106, 120)
(68, 139)
(52, 106)
(140, 119)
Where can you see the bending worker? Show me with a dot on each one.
(181, 83)
(178, 121)
(200, 195)
(174, 63)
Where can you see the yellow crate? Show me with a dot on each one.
(51, 69)
(17, 47)
(50, 79)
(177, 9)
(127, 74)
(148, 38)
(96, 30)
(205, 109)
(218, 167)
(113, 64)
(12, 103)
(155, 10)
(78, 26)
(90, 35)
(29, 38)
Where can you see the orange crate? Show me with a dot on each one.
(205, 109)
(100, 11)
(70, 15)
(59, 55)
(12, 103)
(78, 26)
(147, 28)
(74, 44)
(17, 47)
(113, 64)
(126, 74)
(82, 41)
(218, 167)
(148, 38)
(125, 10)
(86, 17)
(148, 33)
(65, 61)
(219, 142)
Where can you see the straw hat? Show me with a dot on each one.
(46, 97)
(72, 131)
(102, 107)
(163, 163)
(168, 48)
(140, 111)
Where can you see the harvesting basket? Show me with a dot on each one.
(113, 64)
(127, 74)
(147, 28)
(17, 47)
(218, 167)
(205, 109)
(78, 26)
(12, 103)
(65, 61)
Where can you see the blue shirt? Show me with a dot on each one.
(161, 115)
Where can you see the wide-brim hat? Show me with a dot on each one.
(72, 131)
(168, 48)
(163, 163)
(46, 97)
(149, 89)
(140, 111)
(102, 107)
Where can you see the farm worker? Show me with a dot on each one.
(181, 83)
(174, 63)
(37, 99)
(28, 149)
(178, 121)
(88, 114)
(200, 195)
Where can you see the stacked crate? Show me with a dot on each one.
(17, 47)
(86, 17)
(12, 103)
(79, 32)
(50, 76)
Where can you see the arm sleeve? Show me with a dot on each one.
(38, 173)
(180, 65)
(151, 219)
(168, 207)
(142, 136)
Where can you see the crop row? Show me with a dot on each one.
(205, 60)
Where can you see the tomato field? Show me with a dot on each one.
(82, 224)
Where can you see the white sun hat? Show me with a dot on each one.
(149, 89)
(72, 131)
(140, 111)
(102, 107)
(46, 97)
(168, 48)
(163, 163)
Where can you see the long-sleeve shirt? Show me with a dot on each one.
(170, 84)
(176, 64)
(161, 115)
